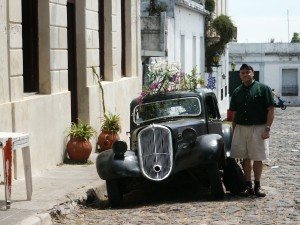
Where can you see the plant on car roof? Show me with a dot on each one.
(164, 76)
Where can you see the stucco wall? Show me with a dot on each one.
(47, 114)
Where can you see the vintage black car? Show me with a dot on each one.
(169, 133)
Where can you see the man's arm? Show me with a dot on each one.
(270, 119)
(233, 123)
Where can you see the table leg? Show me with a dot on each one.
(27, 171)
(8, 171)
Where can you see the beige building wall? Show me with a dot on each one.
(47, 114)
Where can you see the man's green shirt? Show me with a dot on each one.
(251, 103)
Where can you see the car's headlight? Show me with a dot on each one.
(189, 136)
(119, 148)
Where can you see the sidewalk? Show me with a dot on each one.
(50, 188)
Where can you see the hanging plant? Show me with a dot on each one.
(155, 8)
(219, 32)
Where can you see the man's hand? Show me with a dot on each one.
(265, 134)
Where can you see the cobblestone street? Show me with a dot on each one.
(280, 180)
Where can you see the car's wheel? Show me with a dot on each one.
(283, 107)
(215, 181)
(114, 192)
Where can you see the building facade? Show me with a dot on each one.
(47, 50)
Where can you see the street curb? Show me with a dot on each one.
(37, 219)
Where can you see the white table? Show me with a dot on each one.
(10, 141)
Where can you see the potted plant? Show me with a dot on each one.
(79, 146)
(109, 131)
(111, 125)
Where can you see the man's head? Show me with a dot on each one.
(246, 74)
(246, 66)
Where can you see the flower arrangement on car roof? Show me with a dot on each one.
(165, 77)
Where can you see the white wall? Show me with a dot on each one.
(269, 59)
(190, 24)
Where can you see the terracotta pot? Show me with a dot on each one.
(79, 149)
(106, 139)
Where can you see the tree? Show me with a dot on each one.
(295, 38)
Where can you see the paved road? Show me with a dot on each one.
(281, 180)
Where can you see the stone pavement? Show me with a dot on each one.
(65, 183)
(280, 179)
(58, 190)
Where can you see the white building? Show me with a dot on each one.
(179, 35)
(47, 49)
(275, 64)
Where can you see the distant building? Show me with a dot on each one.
(275, 64)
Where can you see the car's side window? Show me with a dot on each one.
(211, 108)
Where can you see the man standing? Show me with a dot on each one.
(252, 104)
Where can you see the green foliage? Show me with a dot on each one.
(191, 80)
(111, 122)
(224, 28)
(155, 8)
(296, 38)
(97, 76)
(210, 5)
(219, 32)
(81, 129)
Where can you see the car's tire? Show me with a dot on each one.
(283, 107)
(216, 185)
(114, 192)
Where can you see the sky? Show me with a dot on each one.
(259, 21)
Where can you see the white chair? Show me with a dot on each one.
(10, 141)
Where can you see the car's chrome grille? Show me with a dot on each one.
(155, 152)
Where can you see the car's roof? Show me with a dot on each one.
(172, 94)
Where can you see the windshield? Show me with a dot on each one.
(179, 107)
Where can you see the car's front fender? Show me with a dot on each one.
(108, 167)
(227, 136)
(206, 150)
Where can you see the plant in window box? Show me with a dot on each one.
(111, 125)
(79, 146)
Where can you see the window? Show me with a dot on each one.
(212, 109)
(182, 51)
(178, 107)
(290, 82)
(101, 38)
(222, 95)
(194, 51)
(123, 30)
(30, 45)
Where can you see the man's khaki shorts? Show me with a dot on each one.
(247, 143)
